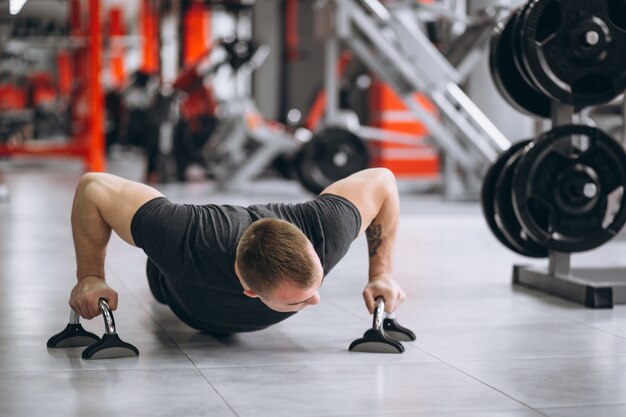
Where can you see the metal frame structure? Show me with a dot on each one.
(245, 143)
(88, 145)
(387, 40)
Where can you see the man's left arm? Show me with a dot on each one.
(375, 194)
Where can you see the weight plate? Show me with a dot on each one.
(568, 188)
(518, 55)
(489, 197)
(575, 50)
(505, 215)
(507, 77)
(332, 154)
(488, 190)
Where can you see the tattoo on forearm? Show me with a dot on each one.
(373, 234)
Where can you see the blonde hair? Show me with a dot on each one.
(273, 251)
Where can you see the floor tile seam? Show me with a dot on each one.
(573, 407)
(21, 336)
(491, 386)
(193, 364)
(559, 313)
(416, 346)
(301, 364)
(529, 358)
(417, 329)
(214, 388)
(158, 324)
(590, 325)
(116, 369)
(325, 363)
(423, 349)
(536, 293)
(483, 383)
(556, 317)
(426, 413)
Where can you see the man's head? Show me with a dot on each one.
(277, 263)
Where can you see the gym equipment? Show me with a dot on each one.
(332, 154)
(387, 40)
(239, 51)
(518, 55)
(568, 188)
(574, 50)
(498, 208)
(385, 334)
(244, 143)
(487, 193)
(509, 76)
(509, 223)
(107, 347)
(73, 335)
(564, 191)
(593, 287)
(395, 331)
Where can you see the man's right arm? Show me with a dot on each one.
(102, 203)
(374, 193)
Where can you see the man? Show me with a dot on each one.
(227, 269)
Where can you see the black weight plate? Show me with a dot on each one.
(299, 169)
(332, 154)
(518, 54)
(507, 77)
(568, 197)
(488, 199)
(487, 193)
(505, 215)
(575, 50)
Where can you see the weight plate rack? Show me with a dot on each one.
(565, 190)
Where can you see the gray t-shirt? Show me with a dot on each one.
(194, 247)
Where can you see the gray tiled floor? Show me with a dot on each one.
(483, 349)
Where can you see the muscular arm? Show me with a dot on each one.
(375, 194)
(102, 203)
